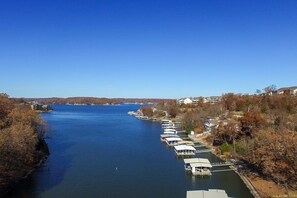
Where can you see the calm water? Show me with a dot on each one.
(100, 151)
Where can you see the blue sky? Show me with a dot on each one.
(146, 48)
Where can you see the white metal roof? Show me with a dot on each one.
(196, 160)
(168, 124)
(169, 129)
(168, 135)
(206, 165)
(184, 147)
(169, 132)
(173, 139)
(212, 193)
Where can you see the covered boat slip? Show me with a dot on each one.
(164, 136)
(184, 150)
(200, 169)
(168, 127)
(166, 122)
(173, 141)
(174, 130)
(198, 166)
(211, 193)
(170, 131)
(196, 160)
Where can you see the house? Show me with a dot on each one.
(39, 107)
(184, 101)
(212, 99)
(288, 90)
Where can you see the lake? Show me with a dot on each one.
(101, 151)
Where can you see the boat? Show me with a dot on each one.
(132, 113)
(184, 150)
(173, 141)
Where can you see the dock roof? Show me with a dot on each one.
(196, 160)
(184, 147)
(169, 135)
(173, 139)
(169, 132)
(212, 193)
(204, 165)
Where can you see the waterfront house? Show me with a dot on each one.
(39, 107)
(212, 99)
(288, 90)
(184, 101)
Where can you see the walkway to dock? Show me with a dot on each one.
(199, 146)
(220, 164)
(203, 151)
(223, 170)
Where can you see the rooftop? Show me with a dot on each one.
(196, 160)
(184, 147)
(211, 193)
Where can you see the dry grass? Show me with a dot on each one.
(269, 188)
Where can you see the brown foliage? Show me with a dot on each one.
(147, 111)
(21, 131)
(252, 120)
(276, 155)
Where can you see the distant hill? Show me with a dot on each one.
(95, 101)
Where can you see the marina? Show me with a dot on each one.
(185, 147)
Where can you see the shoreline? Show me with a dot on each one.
(258, 186)
(244, 178)
(10, 185)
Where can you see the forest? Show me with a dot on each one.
(259, 129)
(22, 145)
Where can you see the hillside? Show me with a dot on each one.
(22, 146)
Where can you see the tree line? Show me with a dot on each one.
(93, 100)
